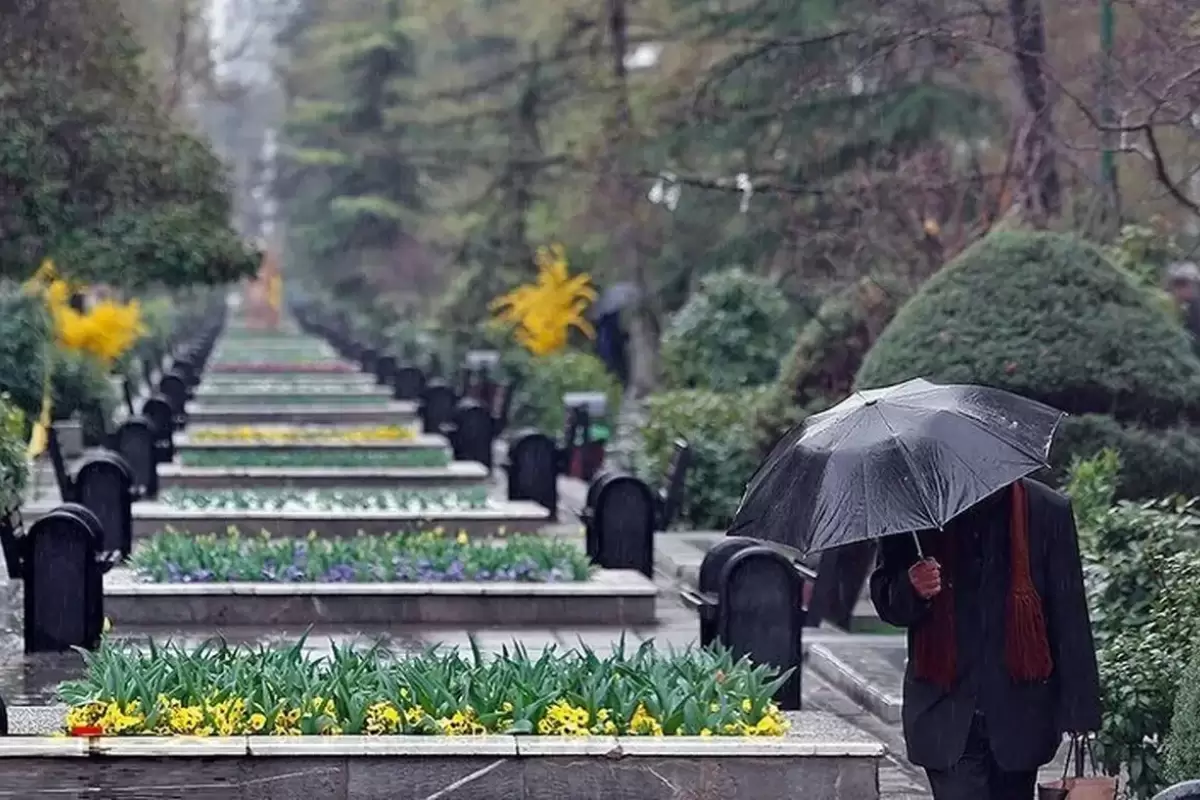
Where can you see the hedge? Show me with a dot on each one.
(1044, 315)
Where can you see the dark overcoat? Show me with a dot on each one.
(1025, 721)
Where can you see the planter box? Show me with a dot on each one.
(233, 393)
(339, 398)
(612, 597)
(396, 412)
(455, 475)
(235, 381)
(823, 759)
(184, 444)
(512, 516)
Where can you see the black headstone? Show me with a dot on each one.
(368, 358)
(158, 411)
(136, 444)
(408, 383)
(709, 577)
(104, 482)
(385, 371)
(64, 585)
(620, 533)
(533, 470)
(437, 406)
(473, 433)
(761, 615)
(173, 388)
(10, 546)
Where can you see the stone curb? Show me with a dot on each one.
(610, 597)
(855, 686)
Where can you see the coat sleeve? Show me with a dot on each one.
(895, 600)
(1069, 627)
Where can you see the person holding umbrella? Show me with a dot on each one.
(979, 563)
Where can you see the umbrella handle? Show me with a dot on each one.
(920, 550)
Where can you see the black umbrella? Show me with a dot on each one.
(904, 458)
(613, 299)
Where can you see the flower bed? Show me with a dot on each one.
(415, 501)
(339, 397)
(284, 434)
(301, 387)
(277, 367)
(427, 557)
(281, 354)
(424, 457)
(220, 690)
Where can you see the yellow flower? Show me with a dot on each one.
(462, 537)
(544, 311)
(643, 723)
(304, 435)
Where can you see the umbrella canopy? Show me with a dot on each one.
(614, 298)
(904, 458)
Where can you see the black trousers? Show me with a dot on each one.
(977, 776)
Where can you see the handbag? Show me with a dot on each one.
(1081, 786)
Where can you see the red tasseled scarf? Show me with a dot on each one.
(1026, 645)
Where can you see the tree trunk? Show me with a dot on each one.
(1041, 190)
(643, 326)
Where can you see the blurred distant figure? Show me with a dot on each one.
(1183, 282)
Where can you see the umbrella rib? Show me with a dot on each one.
(911, 468)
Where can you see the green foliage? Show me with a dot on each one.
(1092, 487)
(684, 691)
(718, 428)
(1154, 463)
(407, 500)
(312, 457)
(182, 557)
(24, 338)
(1143, 579)
(349, 189)
(80, 385)
(14, 468)
(819, 370)
(729, 335)
(538, 401)
(1141, 673)
(1047, 316)
(1183, 744)
(96, 176)
(1144, 252)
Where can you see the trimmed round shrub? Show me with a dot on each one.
(819, 371)
(1154, 463)
(24, 334)
(1044, 315)
(719, 428)
(538, 401)
(729, 335)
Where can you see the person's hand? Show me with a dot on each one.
(926, 578)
